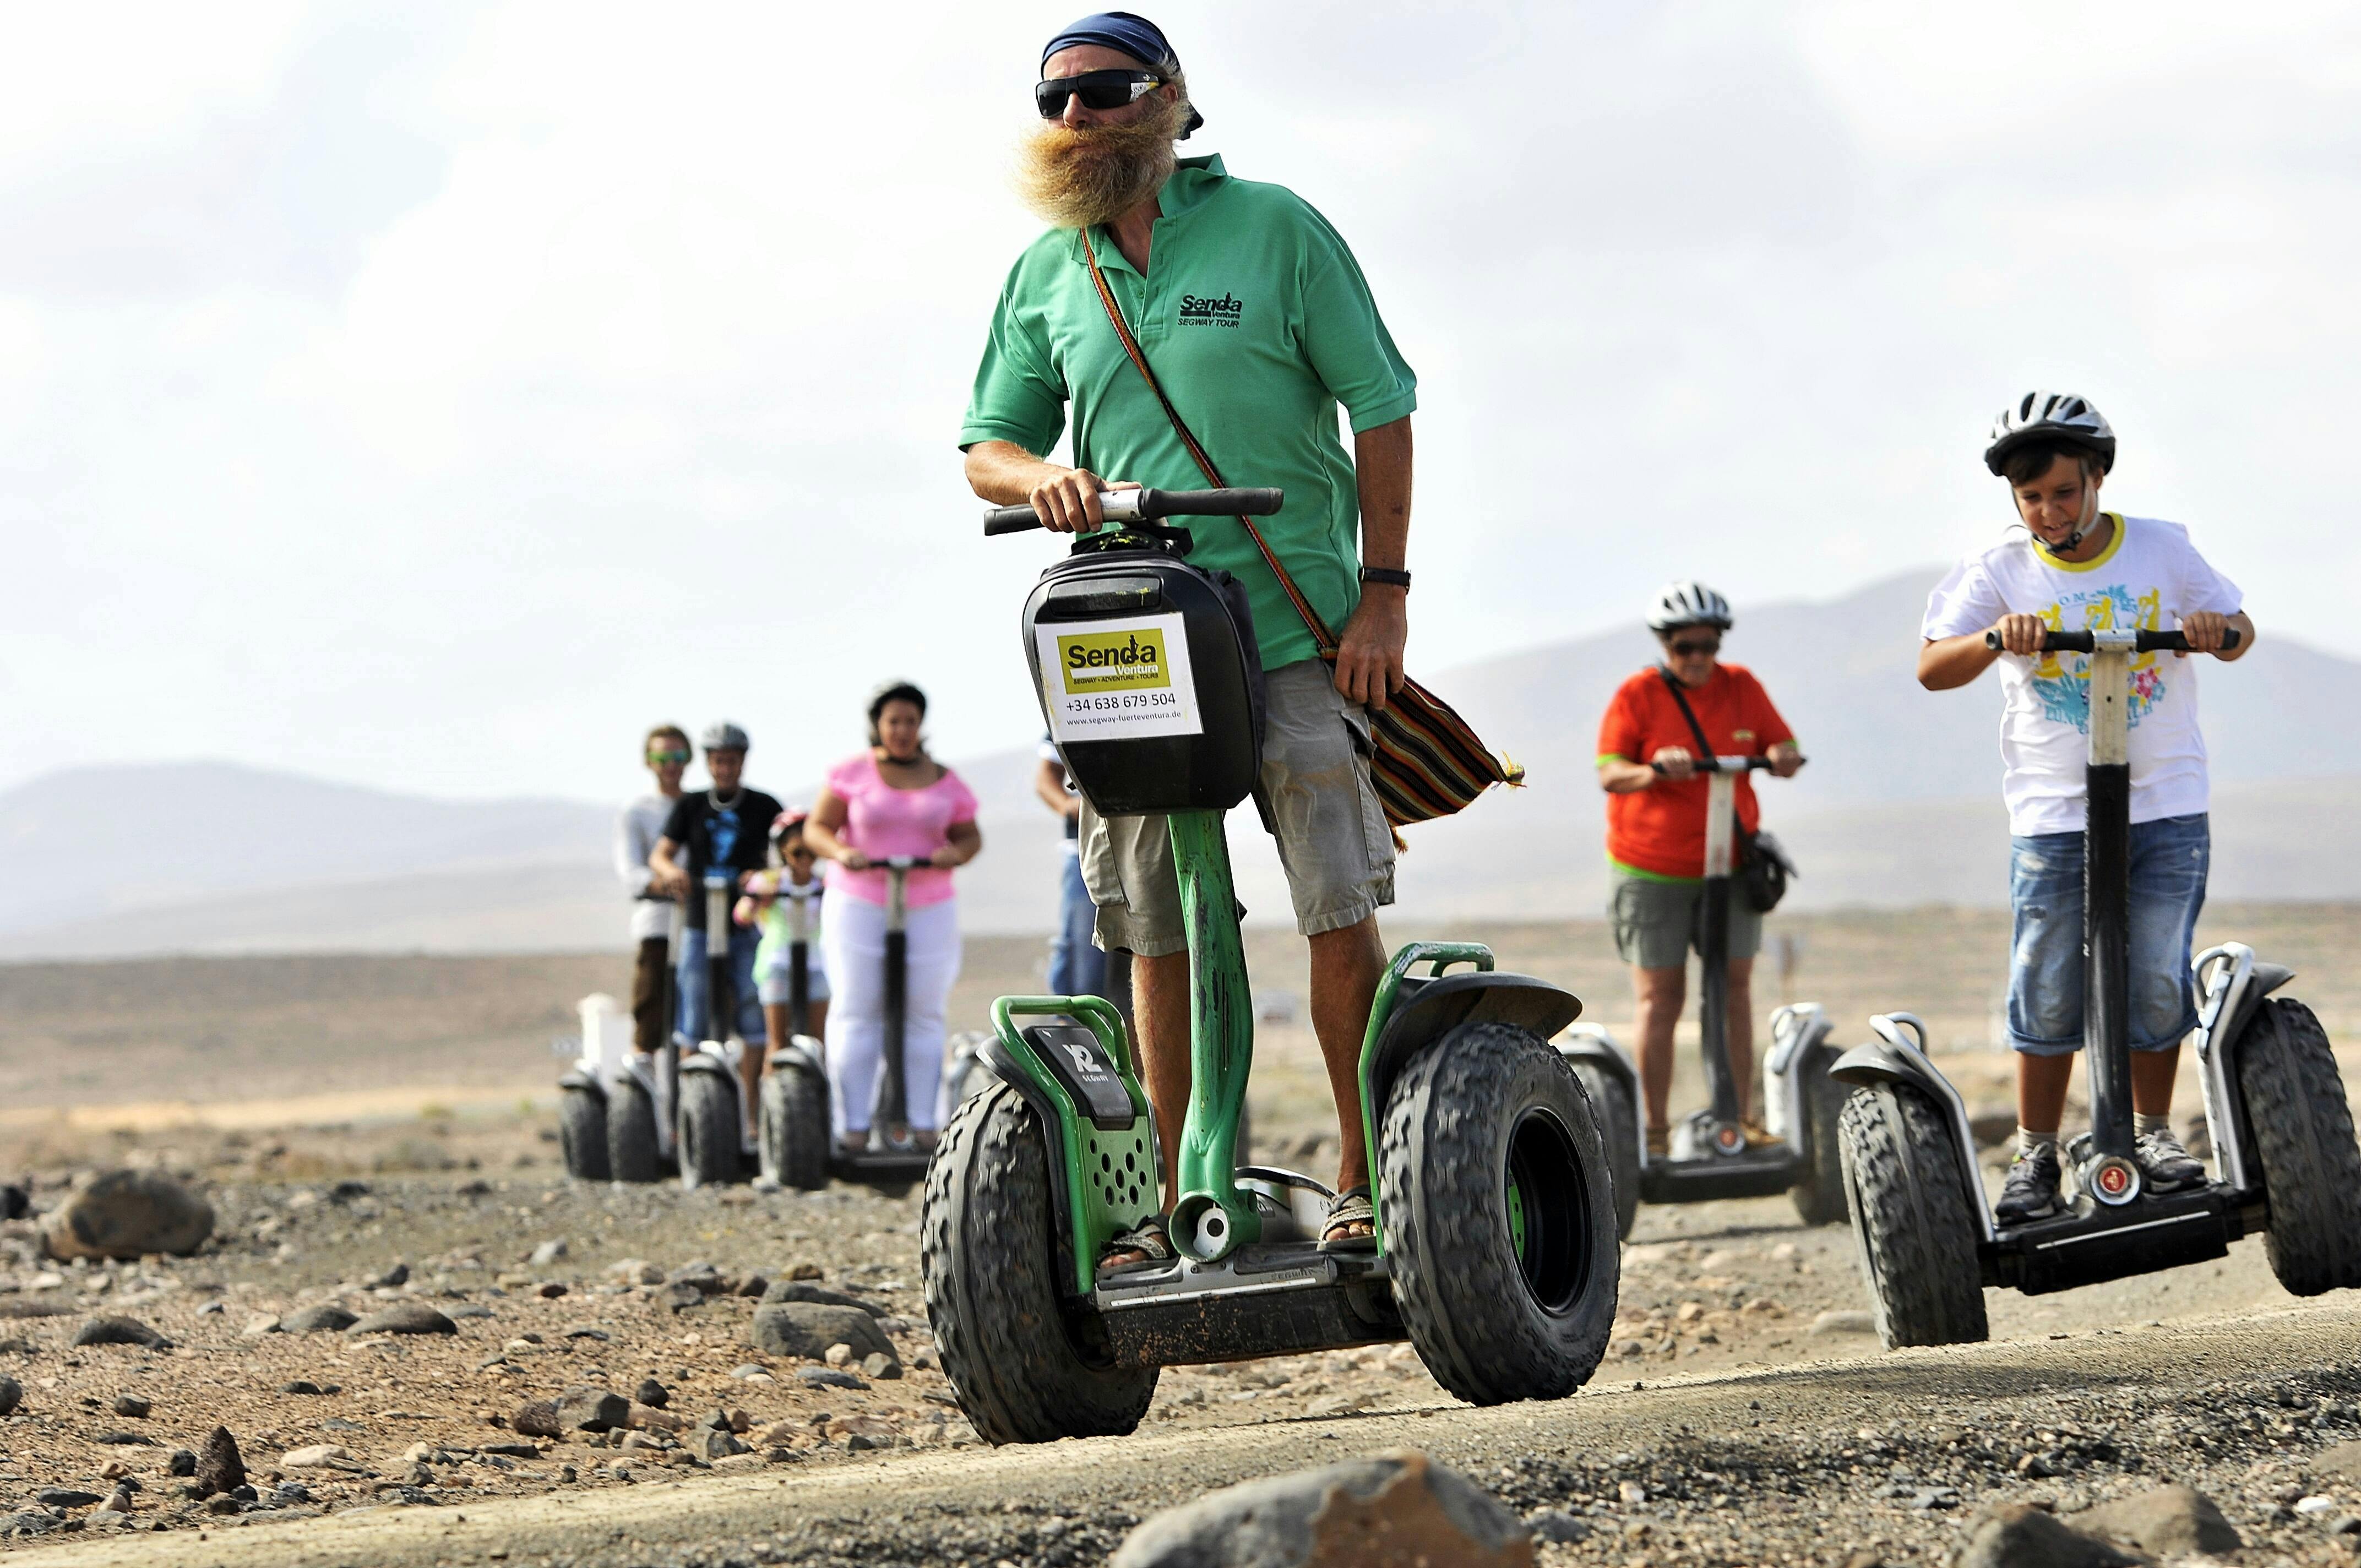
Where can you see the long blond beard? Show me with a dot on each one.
(1075, 178)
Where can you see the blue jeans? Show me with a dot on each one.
(695, 998)
(2169, 858)
(1076, 967)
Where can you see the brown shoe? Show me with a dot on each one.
(1660, 1143)
(1757, 1136)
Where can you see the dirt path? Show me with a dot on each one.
(1798, 1465)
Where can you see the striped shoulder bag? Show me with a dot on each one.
(1427, 762)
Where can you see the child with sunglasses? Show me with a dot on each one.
(637, 827)
(767, 905)
(1655, 832)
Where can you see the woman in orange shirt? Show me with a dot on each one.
(1655, 832)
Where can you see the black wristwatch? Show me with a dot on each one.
(1386, 575)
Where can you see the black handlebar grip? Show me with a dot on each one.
(1010, 520)
(2143, 642)
(1212, 503)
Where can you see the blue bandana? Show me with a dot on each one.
(1133, 35)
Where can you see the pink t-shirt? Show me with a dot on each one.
(882, 821)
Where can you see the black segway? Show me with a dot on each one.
(2284, 1159)
(712, 1120)
(792, 1116)
(639, 1094)
(1494, 1252)
(1709, 1156)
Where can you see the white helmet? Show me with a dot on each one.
(2050, 416)
(1688, 603)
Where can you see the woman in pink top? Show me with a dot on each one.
(891, 801)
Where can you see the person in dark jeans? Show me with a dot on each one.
(729, 827)
(637, 827)
(1077, 966)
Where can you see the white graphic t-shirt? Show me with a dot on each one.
(2148, 577)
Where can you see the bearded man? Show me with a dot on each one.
(1255, 319)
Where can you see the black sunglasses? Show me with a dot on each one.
(1689, 648)
(1097, 89)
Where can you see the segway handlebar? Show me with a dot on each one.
(2135, 641)
(904, 863)
(1723, 765)
(1147, 506)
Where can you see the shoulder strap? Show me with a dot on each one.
(1318, 627)
(1672, 684)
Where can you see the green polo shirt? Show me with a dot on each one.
(1259, 324)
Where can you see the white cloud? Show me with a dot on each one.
(433, 398)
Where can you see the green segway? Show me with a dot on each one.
(1495, 1251)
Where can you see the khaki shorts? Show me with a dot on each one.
(1656, 922)
(1332, 839)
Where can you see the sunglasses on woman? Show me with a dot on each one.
(658, 759)
(1691, 647)
(1097, 90)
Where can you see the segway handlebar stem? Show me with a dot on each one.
(1145, 506)
(1724, 764)
(2140, 642)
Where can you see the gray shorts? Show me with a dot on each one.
(1333, 841)
(1656, 922)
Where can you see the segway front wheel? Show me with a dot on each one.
(1026, 1369)
(631, 1152)
(794, 1125)
(1619, 1131)
(2303, 1139)
(582, 1131)
(1911, 1229)
(712, 1144)
(1819, 1195)
(1498, 1215)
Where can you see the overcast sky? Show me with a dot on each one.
(434, 397)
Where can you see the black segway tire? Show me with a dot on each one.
(2303, 1139)
(1913, 1233)
(1620, 1136)
(631, 1152)
(582, 1133)
(1499, 1214)
(1820, 1196)
(1025, 1369)
(794, 1121)
(711, 1145)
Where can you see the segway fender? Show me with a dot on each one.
(578, 1079)
(1892, 1059)
(1092, 1112)
(2266, 978)
(801, 1052)
(1794, 1030)
(708, 1062)
(2230, 998)
(1591, 1043)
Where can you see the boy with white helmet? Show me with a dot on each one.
(2073, 567)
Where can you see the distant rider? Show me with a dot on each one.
(888, 801)
(2073, 567)
(765, 906)
(1256, 320)
(1077, 965)
(1655, 833)
(637, 827)
(724, 826)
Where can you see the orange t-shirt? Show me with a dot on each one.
(1660, 830)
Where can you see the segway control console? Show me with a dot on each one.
(2284, 1159)
(1495, 1253)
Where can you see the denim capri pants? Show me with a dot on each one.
(2169, 858)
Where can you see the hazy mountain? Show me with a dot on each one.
(1899, 806)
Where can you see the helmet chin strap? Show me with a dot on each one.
(2081, 524)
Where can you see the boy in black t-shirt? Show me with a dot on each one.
(725, 826)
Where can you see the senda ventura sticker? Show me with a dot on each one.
(1111, 680)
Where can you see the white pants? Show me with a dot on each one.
(852, 938)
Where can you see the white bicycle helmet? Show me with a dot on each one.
(2050, 416)
(723, 737)
(1688, 604)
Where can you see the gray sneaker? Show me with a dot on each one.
(2031, 1191)
(2167, 1166)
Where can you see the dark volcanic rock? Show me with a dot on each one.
(405, 1318)
(120, 1331)
(652, 1393)
(128, 1213)
(591, 1410)
(1394, 1507)
(12, 1394)
(15, 1203)
(131, 1405)
(806, 1329)
(327, 1318)
(536, 1417)
(2164, 1521)
(220, 1468)
(804, 1290)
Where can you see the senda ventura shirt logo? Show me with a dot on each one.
(1202, 310)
